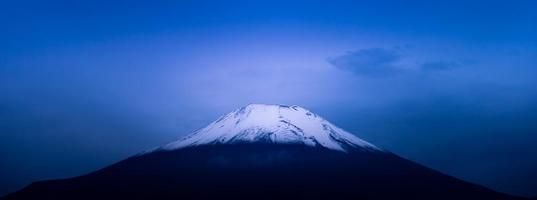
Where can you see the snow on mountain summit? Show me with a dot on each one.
(273, 124)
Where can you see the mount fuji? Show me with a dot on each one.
(274, 124)
(263, 152)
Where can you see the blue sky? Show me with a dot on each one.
(449, 84)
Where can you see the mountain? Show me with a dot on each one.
(263, 152)
(277, 124)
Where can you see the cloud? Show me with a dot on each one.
(380, 62)
(438, 65)
(368, 62)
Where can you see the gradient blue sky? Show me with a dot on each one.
(449, 84)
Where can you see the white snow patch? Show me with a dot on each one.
(273, 124)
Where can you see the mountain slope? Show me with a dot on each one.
(251, 154)
(260, 171)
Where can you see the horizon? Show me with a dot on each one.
(447, 84)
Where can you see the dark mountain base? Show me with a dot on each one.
(255, 171)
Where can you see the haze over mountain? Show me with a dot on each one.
(263, 152)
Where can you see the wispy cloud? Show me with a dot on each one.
(438, 65)
(382, 62)
(368, 62)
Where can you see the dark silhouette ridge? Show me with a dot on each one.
(260, 171)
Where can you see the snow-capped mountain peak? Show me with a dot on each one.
(273, 124)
